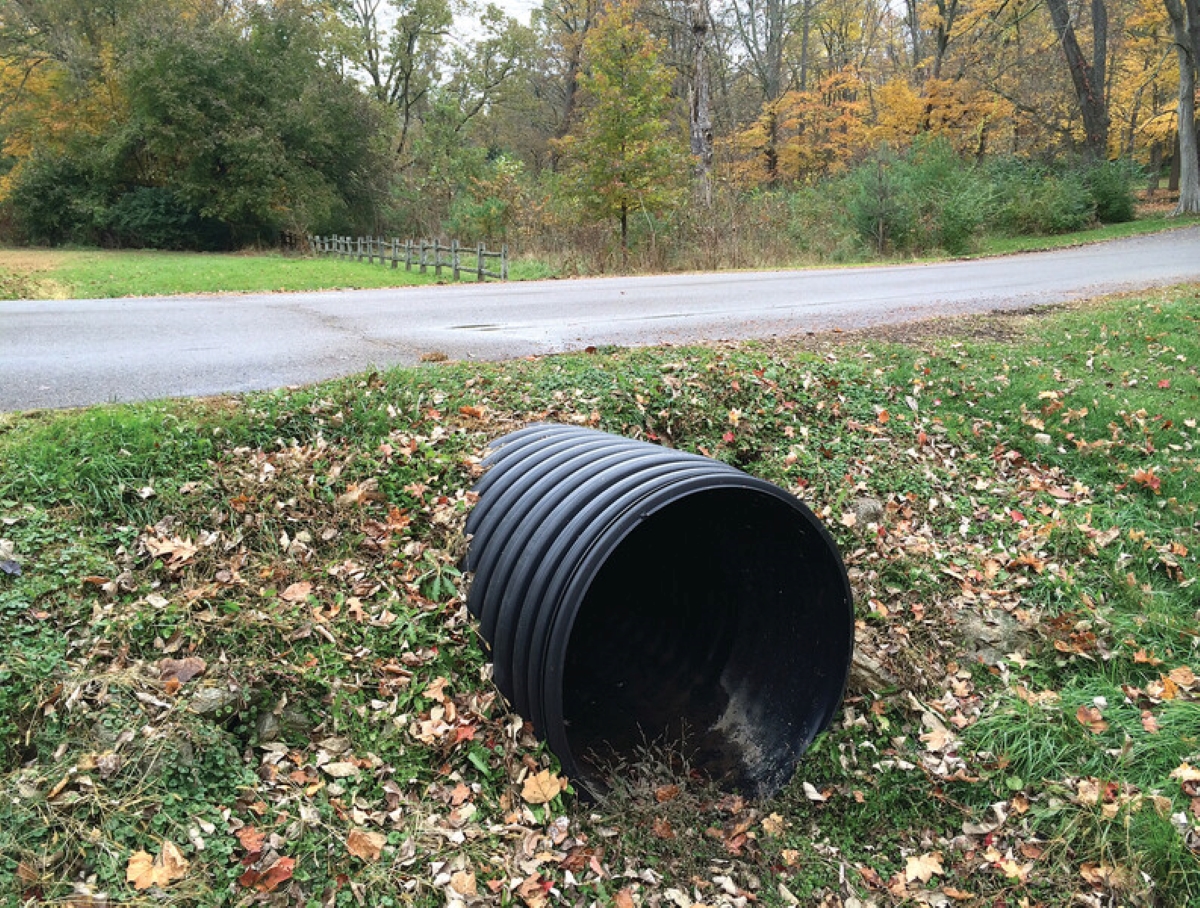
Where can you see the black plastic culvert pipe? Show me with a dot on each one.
(631, 593)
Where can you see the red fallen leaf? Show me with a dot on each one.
(663, 829)
(883, 417)
(1147, 479)
(735, 844)
(1091, 718)
(665, 793)
(727, 438)
(464, 733)
(577, 858)
(1017, 516)
(270, 879)
(1164, 383)
(252, 840)
(473, 412)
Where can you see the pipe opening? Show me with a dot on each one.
(718, 627)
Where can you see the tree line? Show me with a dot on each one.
(601, 127)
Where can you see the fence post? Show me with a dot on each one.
(395, 244)
(504, 262)
(424, 268)
(408, 244)
(437, 258)
(454, 257)
(479, 262)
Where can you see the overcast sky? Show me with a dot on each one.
(518, 9)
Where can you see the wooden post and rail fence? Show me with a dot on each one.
(423, 254)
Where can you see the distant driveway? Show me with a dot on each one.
(79, 352)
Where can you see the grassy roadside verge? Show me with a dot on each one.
(1143, 225)
(236, 665)
(101, 274)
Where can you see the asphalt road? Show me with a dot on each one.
(79, 352)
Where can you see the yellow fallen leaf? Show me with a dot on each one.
(774, 824)
(1185, 773)
(923, 867)
(542, 787)
(145, 871)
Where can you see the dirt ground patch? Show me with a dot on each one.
(27, 260)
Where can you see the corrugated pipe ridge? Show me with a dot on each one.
(632, 594)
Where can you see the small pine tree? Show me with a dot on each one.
(624, 154)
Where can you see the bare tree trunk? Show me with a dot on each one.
(1087, 77)
(806, 12)
(1188, 156)
(701, 104)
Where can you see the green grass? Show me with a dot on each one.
(1008, 245)
(1035, 563)
(87, 274)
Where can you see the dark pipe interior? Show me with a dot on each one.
(718, 626)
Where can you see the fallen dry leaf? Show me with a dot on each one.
(340, 769)
(145, 871)
(665, 793)
(810, 792)
(542, 787)
(181, 670)
(297, 592)
(1091, 718)
(365, 844)
(923, 867)
(252, 839)
(1183, 676)
(269, 880)
(463, 882)
(662, 828)
(774, 824)
(623, 899)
